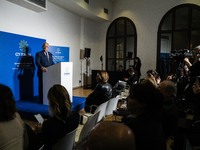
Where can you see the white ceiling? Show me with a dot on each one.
(73, 7)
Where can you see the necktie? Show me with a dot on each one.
(47, 55)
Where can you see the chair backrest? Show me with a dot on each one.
(67, 142)
(112, 105)
(188, 145)
(102, 109)
(91, 122)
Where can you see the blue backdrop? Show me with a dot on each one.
(17, 63)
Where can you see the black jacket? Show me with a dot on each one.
(101, 94)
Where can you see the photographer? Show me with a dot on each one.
(194, 71)
(181, 77)
(194, 67)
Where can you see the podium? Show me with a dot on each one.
(60, 73)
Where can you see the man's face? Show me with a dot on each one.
(46, 47)
(197, 54)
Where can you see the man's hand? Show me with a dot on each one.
(196, 88)
(44, 69)
(187, 61)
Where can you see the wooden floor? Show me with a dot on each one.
(81, 92)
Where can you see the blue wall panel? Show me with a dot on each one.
(17, 63)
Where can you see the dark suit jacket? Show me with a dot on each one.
(42, 61)
(101, 94)
(148, 132)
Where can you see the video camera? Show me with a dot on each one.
(180, 54)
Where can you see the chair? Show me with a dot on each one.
(101, 108)
(92, 120)
(67, 142)
(90, 123)
(112, 105)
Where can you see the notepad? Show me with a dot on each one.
(39, 118)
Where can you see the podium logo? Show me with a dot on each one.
(65, 74)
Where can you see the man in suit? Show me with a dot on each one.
(43, 60)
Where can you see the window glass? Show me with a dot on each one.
(130, 29)
(111, 65)
(195, 18)
(121, 39)
(166, 40)
(180, 40)
(111, 48)
(167, 24)
(111, 32)
(120, 28)
(120, 48)
(195, 39)
(181, 19)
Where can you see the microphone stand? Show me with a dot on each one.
(86, 72)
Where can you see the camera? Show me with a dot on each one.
(180, 54)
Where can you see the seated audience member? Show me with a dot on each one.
(170, 107)
(102, 92)
(132, 77)
(119, 87)
(13, 135)
(145, 105)
(153, 76)
(128, 80)
(110, 136)
(62, 120)
(120, 68)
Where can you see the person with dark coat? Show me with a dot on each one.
(170, 107)
(144, 118)
(101, 93)
(43, 60)
(137, 66)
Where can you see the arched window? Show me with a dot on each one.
(120, 44)
(178, 35)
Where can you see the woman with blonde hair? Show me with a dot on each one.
(101, 93)
(62, 119)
